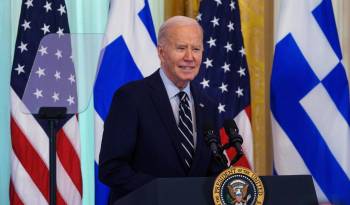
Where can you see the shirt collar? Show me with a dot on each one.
(171, 88)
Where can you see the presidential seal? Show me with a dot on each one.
(238, 186)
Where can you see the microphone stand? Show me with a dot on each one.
(232, 141)
(221, 158)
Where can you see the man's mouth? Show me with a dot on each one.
(185, 67)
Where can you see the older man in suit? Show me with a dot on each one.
(155, 125)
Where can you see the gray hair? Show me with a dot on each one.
(175, 20)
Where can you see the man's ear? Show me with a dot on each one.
(160, 51)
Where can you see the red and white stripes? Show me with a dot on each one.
(245, 130)
(30, 160)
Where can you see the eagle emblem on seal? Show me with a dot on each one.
(238, 191)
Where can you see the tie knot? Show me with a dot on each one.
(182, 95)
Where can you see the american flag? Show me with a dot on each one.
(42, 75)
(224, 72)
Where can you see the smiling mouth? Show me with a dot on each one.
(187, 67)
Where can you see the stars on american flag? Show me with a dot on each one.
(223, 74)
(62, 9)
(239, 92)
(55, 96)
(208, 63)
(228, 47)
(205, 83)
(215, 21)
(70, 100)
(29, 3)
(221, 108)
(223, 88)
(45, 28)
(40, 72)
(52, 72)
(241, 71)
(230, 26)
(19, 69)
(58, 54)
(38, 79)
(57, 75)
(60, 32)
(242, 51)
(26, 25)
(42, 50)
(71, 78)
(23, 47)
(211, 42)
(218, 2)
(48, 6)
(226, 67)
(199, 17)
(38, 93)
(39, 88)
(232, 5)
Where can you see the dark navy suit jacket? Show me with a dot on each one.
(141, 138)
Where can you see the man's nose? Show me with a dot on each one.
(189, 54)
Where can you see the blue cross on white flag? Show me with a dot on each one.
(129, 53)
(310, 99)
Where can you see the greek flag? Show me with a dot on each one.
(129, 53)
(310, 99)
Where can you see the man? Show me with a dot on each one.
(154, 128)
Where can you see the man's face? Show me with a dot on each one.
(181, 54)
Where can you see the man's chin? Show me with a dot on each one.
(189, 75)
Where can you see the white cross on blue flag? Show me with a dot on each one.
(310, 99)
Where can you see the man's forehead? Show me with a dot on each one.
(180, 21)
(185, 43)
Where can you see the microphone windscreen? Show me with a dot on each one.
(230, 124)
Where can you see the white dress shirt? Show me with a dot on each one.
(172, 92)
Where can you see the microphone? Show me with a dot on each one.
(212, 142)
(235, 139)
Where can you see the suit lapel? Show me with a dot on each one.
(163, 107)
(199, 106)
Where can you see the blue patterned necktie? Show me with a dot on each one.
(186, 128)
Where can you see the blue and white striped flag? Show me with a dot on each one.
(310, 99)
(129, 53)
